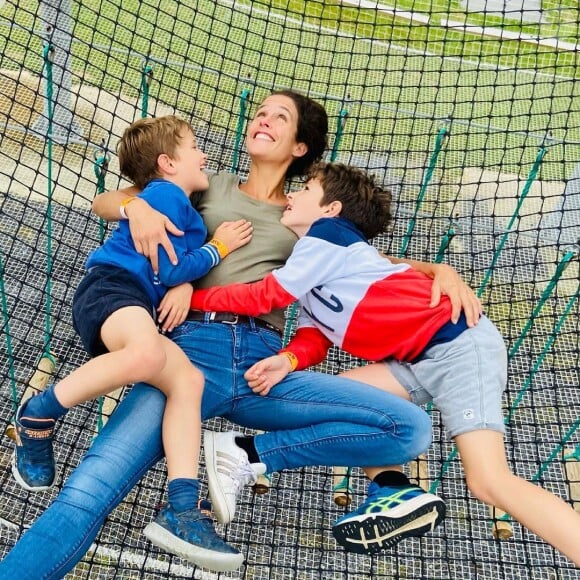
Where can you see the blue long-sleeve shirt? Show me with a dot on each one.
(195, 258)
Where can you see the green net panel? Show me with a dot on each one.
(474, 121)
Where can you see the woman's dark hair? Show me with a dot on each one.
(312, 130)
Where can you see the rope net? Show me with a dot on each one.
(472, 118)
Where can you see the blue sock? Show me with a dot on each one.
(45, 405)
(183, 494)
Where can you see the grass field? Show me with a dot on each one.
(398, 81)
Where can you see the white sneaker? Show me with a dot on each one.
(228, 470)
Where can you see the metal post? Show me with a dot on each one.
(56, 18)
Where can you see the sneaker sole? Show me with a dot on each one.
(23, 484)
(374, 532)
(208, 559)
(218, 498)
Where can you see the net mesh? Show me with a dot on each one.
(476, 131)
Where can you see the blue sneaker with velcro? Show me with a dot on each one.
(388, 515)
(192, 536)
(33, 464)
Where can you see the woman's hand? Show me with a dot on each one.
(149, 231)
(234, 234)
(267, 373)
(447, 281)
(174, 306)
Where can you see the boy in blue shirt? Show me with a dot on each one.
(115, 310)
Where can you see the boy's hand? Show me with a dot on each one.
(267, 373)
(447, 281)
(173, 309)
(234, 234)
(149, 230)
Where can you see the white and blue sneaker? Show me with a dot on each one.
(192, 536)
(388, 515)
(228, 471)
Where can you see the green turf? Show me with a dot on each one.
(400, 80)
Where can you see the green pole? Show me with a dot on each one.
(48, 56)
(531, 177)
(443, 132)
(558, 449)
(244, 96)
(146, 78)
(548, 344)
(445, 241)
(100, 167)
(562, 265)
(339, 133)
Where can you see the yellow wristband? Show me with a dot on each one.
(124, 204)
(220, 247)
(292, 358)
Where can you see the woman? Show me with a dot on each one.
(308, 421)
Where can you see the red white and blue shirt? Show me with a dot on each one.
(349, 294)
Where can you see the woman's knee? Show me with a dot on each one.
(418, 430)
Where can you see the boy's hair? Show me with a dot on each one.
(142, 143)
(364, 203)
(312, 130)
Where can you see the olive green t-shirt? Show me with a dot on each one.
(271, 242)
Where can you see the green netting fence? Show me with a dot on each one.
(473, 119)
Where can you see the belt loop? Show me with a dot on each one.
(208, 316)
(252, 322)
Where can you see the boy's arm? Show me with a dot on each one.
(174, 306)
(305, 269)
(252, 299)
(307, 348)
(196, 263)
(194, 260)
(107, 205)
(447, 281)
(148, 227)
(192, 264)
(311, 347)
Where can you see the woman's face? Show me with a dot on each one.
(271, 135)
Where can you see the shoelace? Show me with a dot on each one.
(242, 475)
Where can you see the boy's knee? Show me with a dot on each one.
(480, 489)
(488, 487)
(189, 381)
(145, 362)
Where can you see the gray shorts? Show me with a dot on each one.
(465, 378)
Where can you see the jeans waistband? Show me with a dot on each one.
(231, 318)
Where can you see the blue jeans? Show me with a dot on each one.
(312, 419)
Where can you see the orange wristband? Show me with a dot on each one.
(124, 204)
(220, 247)
(292, 358)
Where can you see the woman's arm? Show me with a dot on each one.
(148, 227)
(447, 281)
(107, 205)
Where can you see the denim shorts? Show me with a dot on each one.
(464, 378)
(104, 290)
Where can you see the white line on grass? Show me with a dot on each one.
(404, 49)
